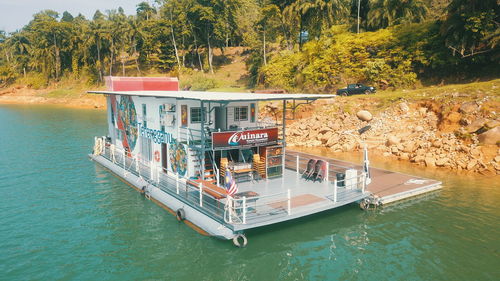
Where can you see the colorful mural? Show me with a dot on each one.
(126, 120)
(178, 158)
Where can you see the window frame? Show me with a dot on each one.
(237, 113)
(200, 113)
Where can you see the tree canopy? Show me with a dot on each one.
(173, 35)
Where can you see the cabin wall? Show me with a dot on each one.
(141, 134)
(232, 107)
(149, 128)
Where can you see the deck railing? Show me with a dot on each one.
(240, 210)
(298, 162)
(215, 204)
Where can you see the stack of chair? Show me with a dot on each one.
(259, 166)
(223, 166)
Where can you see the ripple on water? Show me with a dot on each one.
(63, 217)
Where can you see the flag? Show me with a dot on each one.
(230, 185)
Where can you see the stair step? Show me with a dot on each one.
(208, 170)
(210, 176)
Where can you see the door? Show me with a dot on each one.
(220, 118)
(164, 157)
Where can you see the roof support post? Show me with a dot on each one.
(202, 151)
(284, 137)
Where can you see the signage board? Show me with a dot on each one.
(247, 138)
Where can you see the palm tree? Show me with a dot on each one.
(384, 13)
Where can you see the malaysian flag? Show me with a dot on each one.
(231, 186)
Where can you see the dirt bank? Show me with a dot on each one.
(24, 95)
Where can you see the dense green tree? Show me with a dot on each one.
(171, 35)
(472, 26)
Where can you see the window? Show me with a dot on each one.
(146, 149)
(241, 113)
(196, 115)
(144, 116)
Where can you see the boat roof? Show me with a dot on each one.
(216, 96)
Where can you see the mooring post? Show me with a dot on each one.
(244, 210)
(201, 194)
(289, 203)
(335, 190)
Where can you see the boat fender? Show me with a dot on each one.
(240, 240)
(364, 204)
(180, 214)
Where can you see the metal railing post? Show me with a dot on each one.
(244, 210)
(177, 183)
(230, 204)
(363, 183)
(335, 190)
(327, 173)
(201, 194)
(151, 175)
(289, 203)
(124, 170)
(157, 175)
(298, 164)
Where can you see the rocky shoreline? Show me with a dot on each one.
(465, 138)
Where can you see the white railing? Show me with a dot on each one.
(239, 210)
(299, 162)
(215, 203)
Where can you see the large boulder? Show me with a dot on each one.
(490, 137)
(468, 107)
(472, 163)
(364, 115)
(392, 140)
(430, 161)
(404, 107)
(442, 161)
(476, 125)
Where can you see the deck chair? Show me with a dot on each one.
(309, 169)
(322, 171)
(317, 169)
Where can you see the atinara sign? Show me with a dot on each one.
(244, 138)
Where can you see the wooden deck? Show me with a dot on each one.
(388, 186)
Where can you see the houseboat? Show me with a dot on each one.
(210, 160)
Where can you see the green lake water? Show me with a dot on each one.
(62, 217)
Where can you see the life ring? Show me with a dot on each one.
(240, 240)
(180, 214)
(157, 156)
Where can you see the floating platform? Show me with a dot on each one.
(386, 186)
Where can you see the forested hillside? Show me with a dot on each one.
(302, 44)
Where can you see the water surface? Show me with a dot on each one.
(64, 217)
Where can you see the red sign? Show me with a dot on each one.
(244, 138)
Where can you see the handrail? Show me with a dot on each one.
(212, 202)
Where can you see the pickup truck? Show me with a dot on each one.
(356, 89)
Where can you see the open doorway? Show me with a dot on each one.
(164, 157)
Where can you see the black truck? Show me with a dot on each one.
(356, 89)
